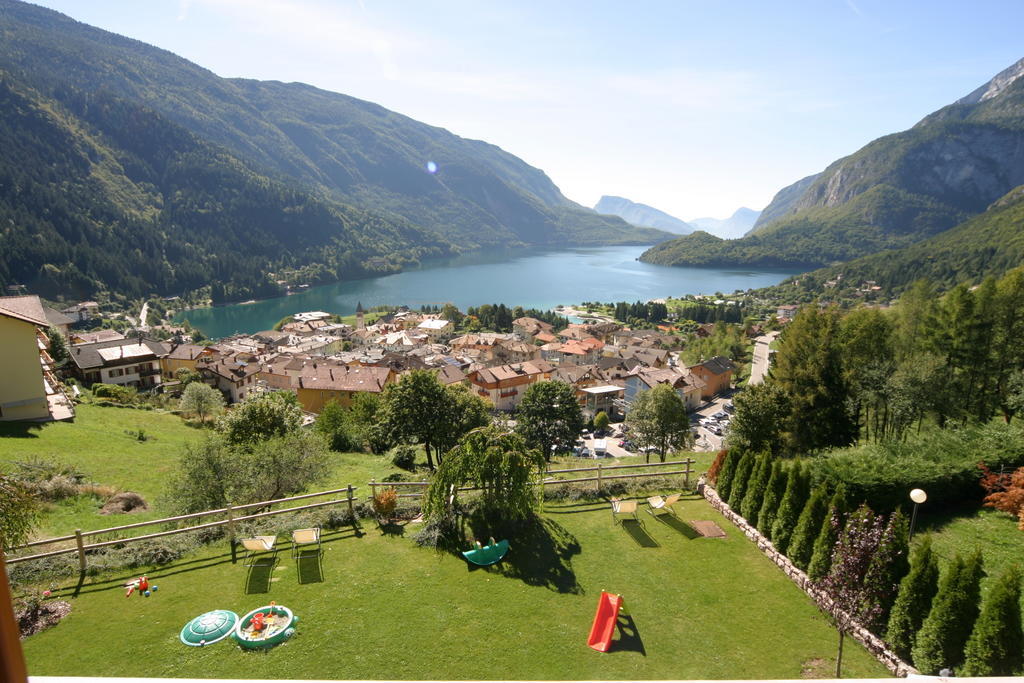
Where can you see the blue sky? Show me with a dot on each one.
(694, 107)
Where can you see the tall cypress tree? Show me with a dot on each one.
(801, 544)
(725, 476)
(917, 590)
(740, 478)
(828, 534)
(772, 499)
(793, 502)
(996, 645)
(888, 567)
(944, 632)
(756, 485)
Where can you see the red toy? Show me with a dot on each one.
(605, 619)
(140, 584)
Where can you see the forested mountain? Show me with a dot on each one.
(896, 191)
(641, 214)
(989, 244)
(128, 169)
(738, 224)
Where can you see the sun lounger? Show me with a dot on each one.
(624, 507)
(256, 545)
(657, 503)
(304, 540)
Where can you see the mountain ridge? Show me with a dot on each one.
(738, 224)
(641, 215)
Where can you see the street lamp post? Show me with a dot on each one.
(918, 496)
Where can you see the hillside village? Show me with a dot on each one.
(322, 361)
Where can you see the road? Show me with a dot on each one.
(759, 367)
(143, 325)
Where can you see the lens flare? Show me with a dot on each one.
(431, 167)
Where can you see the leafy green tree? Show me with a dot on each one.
(281, 466)
(997, 642)
(415, 409)
(757, 485)
(772, 498)
(19, 511)
(498, 462)
(739, 481)
(260, 417)
(204, 478)
(793, 501)
(944, 632)
(201, 399)
(888, 567)
(657, 418)
(808, 370)
(334, 423)
(187, 376)
(828, 534)
(914, 599)
(726, 475)
(601, 421)
(463, 411)
(549, 416)
(761, 411)
(808, 525)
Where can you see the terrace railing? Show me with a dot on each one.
(230, 516)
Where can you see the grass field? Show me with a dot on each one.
(377, 606)
(966, 528)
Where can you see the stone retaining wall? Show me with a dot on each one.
(869, 640)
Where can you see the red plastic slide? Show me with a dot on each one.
(604, 621)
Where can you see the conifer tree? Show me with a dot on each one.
(828, 534)
(756, 485)
(917, 590)
(772, 499)
(801, 544)
(725, 476)
(739, 480)
(997, 642)
(888, 567)
(944, 632)
(793, 501)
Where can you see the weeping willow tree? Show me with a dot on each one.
(497, 462)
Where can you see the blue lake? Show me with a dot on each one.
(531, 278)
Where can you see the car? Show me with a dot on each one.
(582, 452)
(729, 406)
(716, 430)
(720, 415)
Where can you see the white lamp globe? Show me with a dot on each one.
(918, 496)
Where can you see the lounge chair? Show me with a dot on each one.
(303, 540)
(655, 503)
(624, 507)
(256, 545)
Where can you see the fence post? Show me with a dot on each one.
(231, 523)
(373, 489)
(689, 462)
(81, 550)
(351, 509)
(599, 477)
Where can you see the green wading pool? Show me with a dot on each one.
(265, 627)
(209, 628)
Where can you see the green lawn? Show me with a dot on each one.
(701, 608)
(964, 529)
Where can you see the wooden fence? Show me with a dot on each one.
(229, 512)
(549, 481)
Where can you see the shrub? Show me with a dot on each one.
(744, 469)
(385, 502)
(772, 498)
(723, 484)
(996, 645)
(116, 393)
(793, 501)
(805, 533)
(943, 462)
(917, 589)
(888, 567)
(944, 632)
(716, 466)
(757, 483)
(403, 456)
(828, 534)
(439, 531)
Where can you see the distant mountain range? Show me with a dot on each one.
(896, 191)
(128, 170)
(737, 225)
(641, 215)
